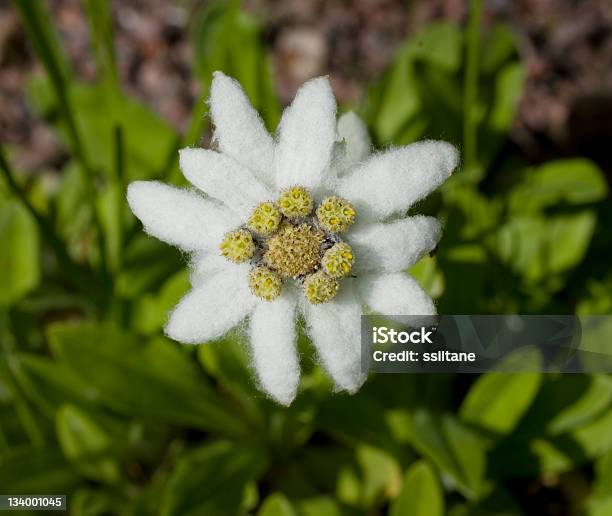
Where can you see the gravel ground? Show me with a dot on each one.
(567, 45)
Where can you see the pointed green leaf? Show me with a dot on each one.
(456, 449)
(153, 379)
(211, 480)
(86, 444)
(497, 400)
(421, 493)
(276, 505)
(20, 256)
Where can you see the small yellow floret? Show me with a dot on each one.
(295, 202)
(237, 246)
(335, 215)
(265, 219)
(338, 260)
(265, 283)
(320, 288)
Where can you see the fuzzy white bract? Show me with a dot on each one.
(308, 223)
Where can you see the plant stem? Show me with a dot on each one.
(40, 33)
(470, 106)
(101, 25)
(120, 185)
(24, 414)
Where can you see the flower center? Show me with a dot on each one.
(290, 239)
(295, 250)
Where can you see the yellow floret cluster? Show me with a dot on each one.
(335, 214)
(290, 239)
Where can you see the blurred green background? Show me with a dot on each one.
(97, 404)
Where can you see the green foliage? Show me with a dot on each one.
(497, 400)
(20, 256)
(227, 38)
(150, 379)
(276, 505)
(454, 447)
(421, 493)
(96, 403)
(86, 444)
(96, 116)
(211, 480)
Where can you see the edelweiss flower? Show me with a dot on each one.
(307, 223)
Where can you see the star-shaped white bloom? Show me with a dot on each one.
(308, 223)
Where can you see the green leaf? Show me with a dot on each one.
(524, 456)
(148, 263)
(320, 506)
(508, 89)
(211, 480)
(439, 44)
(91, 502)
(570, 401)
(151, 311)
(227, 360)
(96, 116)
(564, 427)
(230, 40)
(498, 47)
(73, 216)
(376, 478)
(537, 247)
(50, 384)
(28, 470)
(390, 108)
(456, 449)
(421, 493)
(603, 478)
(381, 475)
(599, 506)
(506, 94)
(497, 400)
(87, 444)
(110, 206)
(20, 256)
(276, 505)
(343, 419)
(570, 181)
(594, 439)
(152, 379)
(427, 272)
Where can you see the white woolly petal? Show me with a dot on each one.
(179, 217)
(307, 132)
(395, 293)
(273, 345)
(354, 132)
(212, 308)
(394, 246)
(204, 265)
(239, 130)
(223, 178)
(389, 183)
(335, 329)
